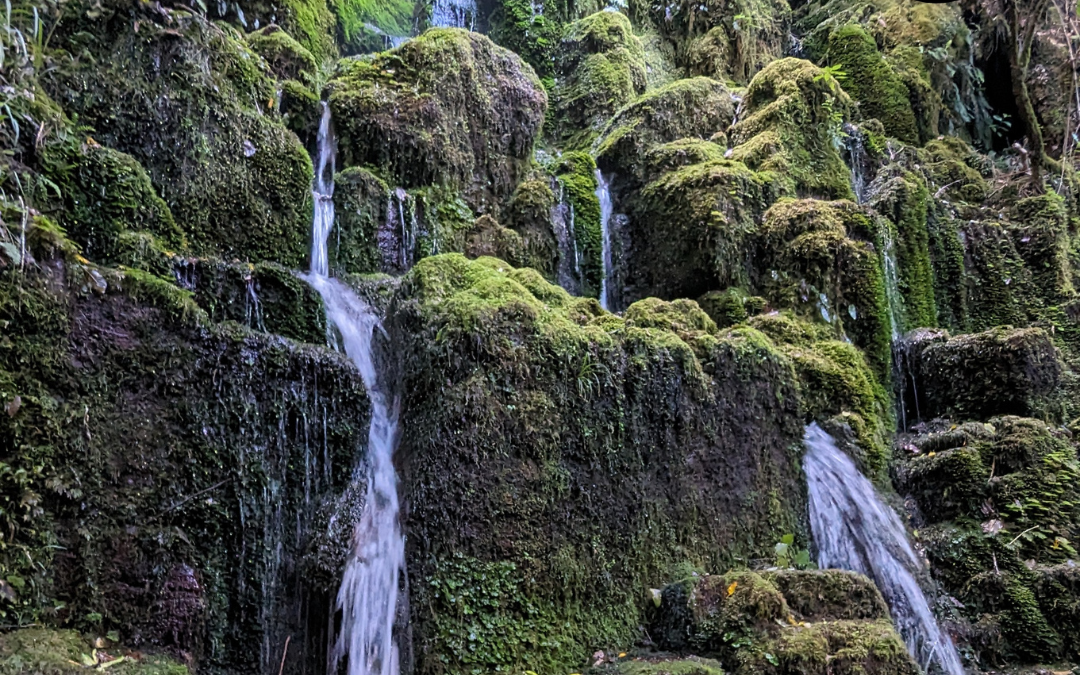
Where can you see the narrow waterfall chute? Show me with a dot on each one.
(854, 530)
(603, 194)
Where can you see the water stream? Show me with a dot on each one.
(367, 598)
(854, 530)
(603, 193)
(454, 14)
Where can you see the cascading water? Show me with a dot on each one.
(454, 14)
(603, 193)
(855, 530)
(568, 270)
(368, 594)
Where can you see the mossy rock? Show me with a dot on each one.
(868, 79)
(823, 260)
(660, 665)
(235, 179)
(312, 23)
(195, 431)
(829, 595)
(999, 371)
(576, 175)
(490, 239)
(836, 648)
(529, 214)
(692, 108)
(449, 108)
(600, 68)
(361, 201)
(286, 57)
(106, 195)
(512, 389)
(693, 226)
(793, 112)
(44, 651)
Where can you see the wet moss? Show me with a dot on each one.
(829, 595)
(449, 108)
(529, 214)
(793, 113)
(361, 200)
(1000, 371)
(550, 395)
(881, 94)
(576, 174)
(286, 57)
(600, 68)
(691, 108)
(236, 181)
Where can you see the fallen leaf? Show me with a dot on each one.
(731, 588)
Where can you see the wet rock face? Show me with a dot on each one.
(552, 497)
(449, 107)
(1000, 371)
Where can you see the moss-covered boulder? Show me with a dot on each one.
(748, 619)
(286, 57)
(793, 114)
(999, 371)
(550, 448)
(448, 108)
(576, 176)
(839, 387)
(315, 24)
(869, 80)
(235, 179)
(692, 226)
(692, 108)
(600, 68)
(105, 195)
(362, 209)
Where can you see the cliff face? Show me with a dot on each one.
(622, 258)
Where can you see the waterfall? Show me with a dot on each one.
(855, 530)
(603, 193)
(454, 14)
(322, 192)
(368, 594)
(856, 156)
(568, 271)
(892, 280)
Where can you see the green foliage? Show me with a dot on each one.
(788, 555)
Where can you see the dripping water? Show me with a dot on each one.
(454, 14)
(854, 530)
(562, 225)
(603, 193)
(368, 596)
(854, 145)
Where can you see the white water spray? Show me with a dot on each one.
(368, 594)
(603, 193)
(454, 14)
(855, 530)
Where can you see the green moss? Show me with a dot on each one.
(236, 181)
(726, 308)
(999, 371)
(576, 174)
(849, 647)
(361, 200)
(1040, 235)
(106, 194)
(829, 595)
(355, 19)
(660, 665)
(531, 30)
(903, 199)
(53, 652)
(488, 238)
(529, 214)
(286, 57)
(448, 108)
(600, 68)
(691, 108)
(824, 260)
(870, 81)
(535, 386)
(693, 226)
(793, 112)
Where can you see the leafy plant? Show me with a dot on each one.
(789, 556)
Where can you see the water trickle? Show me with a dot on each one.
(454, 14)
(603, 193)
(367, 598)
(562, 225)
(322, 192)
(854, 530)
(253, 313)
(854, 145)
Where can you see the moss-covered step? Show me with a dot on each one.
(1004, 370)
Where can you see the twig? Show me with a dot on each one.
(1020, 535)
(185, 500)
(284, 652)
